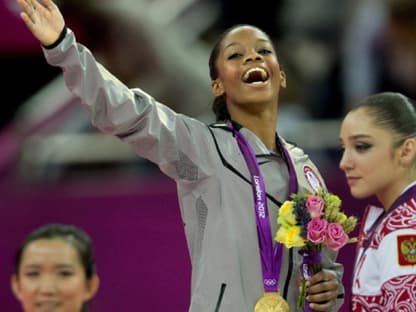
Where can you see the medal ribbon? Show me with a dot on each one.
(271, 258)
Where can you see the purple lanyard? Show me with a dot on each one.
(271, 258)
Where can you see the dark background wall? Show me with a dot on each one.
(135, 225)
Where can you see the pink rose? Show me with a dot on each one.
(316, 230)
(315, 206)
(335, 237)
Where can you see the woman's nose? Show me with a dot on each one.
(47, 285)
(345, 162)
(253, 56)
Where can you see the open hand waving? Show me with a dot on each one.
(43, 19)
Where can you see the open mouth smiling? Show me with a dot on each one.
(255, 75)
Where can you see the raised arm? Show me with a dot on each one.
(155, 131)
(43, 19)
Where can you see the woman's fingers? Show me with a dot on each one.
(49, 5)
(24, 5)
(43, 19)
(323, 307)
(28, 13)
(322, 291)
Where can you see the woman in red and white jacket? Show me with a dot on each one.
(379, 158)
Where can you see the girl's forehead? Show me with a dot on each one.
(362, 122)
(49, 248)
(356, 122)
(240, 34)
(360, 116)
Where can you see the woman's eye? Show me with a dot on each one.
(32, 274)
(362, 147)
(234, 56)
(65, 273)
(264, 51)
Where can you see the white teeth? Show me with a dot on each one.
(255, 71)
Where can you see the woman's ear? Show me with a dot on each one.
(92, 287)
(282, 79)
(408, 151)
(14, 284)
(217, 88)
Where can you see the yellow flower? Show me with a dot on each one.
(293, 237)
(290, 236)
(281, 235)
(286, 215)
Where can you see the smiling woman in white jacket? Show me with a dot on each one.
(216, 167)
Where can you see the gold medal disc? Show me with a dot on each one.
(271, 302)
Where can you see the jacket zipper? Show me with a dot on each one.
(221, 295)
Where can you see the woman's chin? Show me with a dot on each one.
(358, 194)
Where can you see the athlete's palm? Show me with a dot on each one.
(43, 19)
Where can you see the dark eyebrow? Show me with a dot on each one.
(31, 266)
(231, 44)
(64, 266)
(356, 137)
(359, 136)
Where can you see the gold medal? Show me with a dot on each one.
(271, 302)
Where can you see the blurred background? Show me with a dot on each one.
(54, 167)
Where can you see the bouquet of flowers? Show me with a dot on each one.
(313, 221)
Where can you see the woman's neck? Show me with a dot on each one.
(262, 126)
(387, 198)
